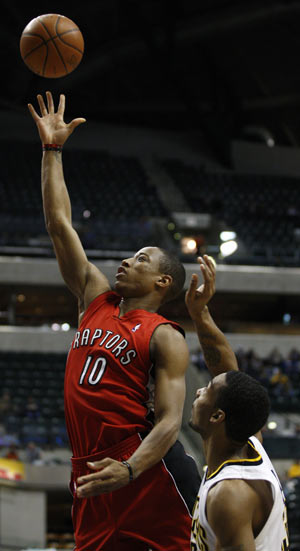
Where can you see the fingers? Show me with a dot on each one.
(42, 105)
(207, 266)
(92, 488)
(190, 294)
(33, 112)
(43, 109)
(50, 102)
(110, 475)
(61, 105)
(75, 122)
(97, 466)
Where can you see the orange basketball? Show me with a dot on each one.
(51, 45)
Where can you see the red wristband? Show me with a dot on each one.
(52, 147)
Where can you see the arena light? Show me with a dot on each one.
(227, 235)
(272, 425)
(66, 326)
(189, 245)
(286, 318)
(171, 226)
(228, 247)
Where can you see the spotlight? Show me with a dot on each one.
(228, 248)
(227, 235)
(272, 425)
(189, 245)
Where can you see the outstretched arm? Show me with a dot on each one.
(82, 277)
(218, 354)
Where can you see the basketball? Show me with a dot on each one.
(51, 45)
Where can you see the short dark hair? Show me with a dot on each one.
(169, 264)
(246, 405)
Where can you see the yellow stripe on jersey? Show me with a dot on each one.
(255, 461)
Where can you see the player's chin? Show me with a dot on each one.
(121, 288)
(117, 288)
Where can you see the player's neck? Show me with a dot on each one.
(138, 303)
(219, 452)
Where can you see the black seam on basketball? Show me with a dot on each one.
(44, 43)
(67, 43)
(52, 39)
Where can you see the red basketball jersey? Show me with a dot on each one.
(107, 375)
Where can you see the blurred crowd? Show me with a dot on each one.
(278, 373)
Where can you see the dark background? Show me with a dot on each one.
(227, 68)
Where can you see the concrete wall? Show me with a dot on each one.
(251, 279)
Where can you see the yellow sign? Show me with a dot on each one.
(10, 469)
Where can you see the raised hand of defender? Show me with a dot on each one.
(196, 298)
(51, 126)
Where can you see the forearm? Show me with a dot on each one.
(154, 447)
(218, 354)
(56, 201)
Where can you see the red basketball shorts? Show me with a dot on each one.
(150, 513)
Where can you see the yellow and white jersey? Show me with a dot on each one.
(274, 535)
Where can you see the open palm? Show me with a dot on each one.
(51, 125)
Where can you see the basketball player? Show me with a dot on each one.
(133, 485)
(240, 504)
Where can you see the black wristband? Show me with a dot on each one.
(129, 470)
(52, 147)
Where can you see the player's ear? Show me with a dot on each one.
(218, 416)
(164, 280)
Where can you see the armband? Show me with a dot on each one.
(52, 147)
(129, 470)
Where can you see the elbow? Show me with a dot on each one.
(171, 428)
(55, 224)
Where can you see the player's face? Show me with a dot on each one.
(137, 275)
(204, 405)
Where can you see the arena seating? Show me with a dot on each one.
(35, 385)
(111, 197)
(262, 210)
(280, 375)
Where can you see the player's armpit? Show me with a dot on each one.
(230, 509)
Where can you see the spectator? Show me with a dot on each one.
(12, 453)
(33, 453)
(279, 382)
